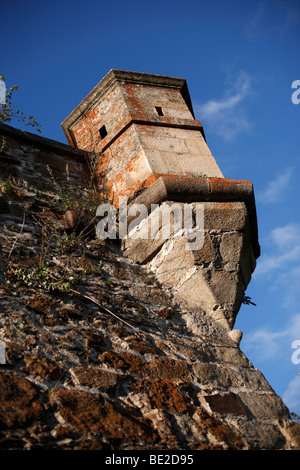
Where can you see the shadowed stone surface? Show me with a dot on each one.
(113, 360)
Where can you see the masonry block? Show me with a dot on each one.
(211, 276)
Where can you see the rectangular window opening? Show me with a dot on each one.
(159, 110)
(103, 132)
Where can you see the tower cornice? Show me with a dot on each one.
(122, 76)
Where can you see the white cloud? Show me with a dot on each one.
(253, 25)
(258, 25)
(2, 92)
(274, 262)
(287, 236)
(288, 284)
(265, 344)
(276, 187)
(225, 116)
(240, 90)
(283, 244)
(291, 396)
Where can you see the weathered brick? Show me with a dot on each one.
(226, 403)
(123, 100)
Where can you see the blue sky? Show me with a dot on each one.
(240, 60)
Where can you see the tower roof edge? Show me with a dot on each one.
(124, 76)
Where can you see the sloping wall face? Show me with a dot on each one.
(37, 160)
(209, 274)
(98, 353)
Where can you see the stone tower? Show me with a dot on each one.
(149, 148)
(142, 126)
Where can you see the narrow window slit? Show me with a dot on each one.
(103, 132)
(159, 110)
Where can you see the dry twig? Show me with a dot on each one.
(104, 308)
(18, 236)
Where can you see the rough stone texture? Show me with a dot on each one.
(182, 189)
(117, 363)
(26, 156)
(213, 277)
(20, 404)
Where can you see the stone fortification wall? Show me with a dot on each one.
(102, 355)
(26, 156)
